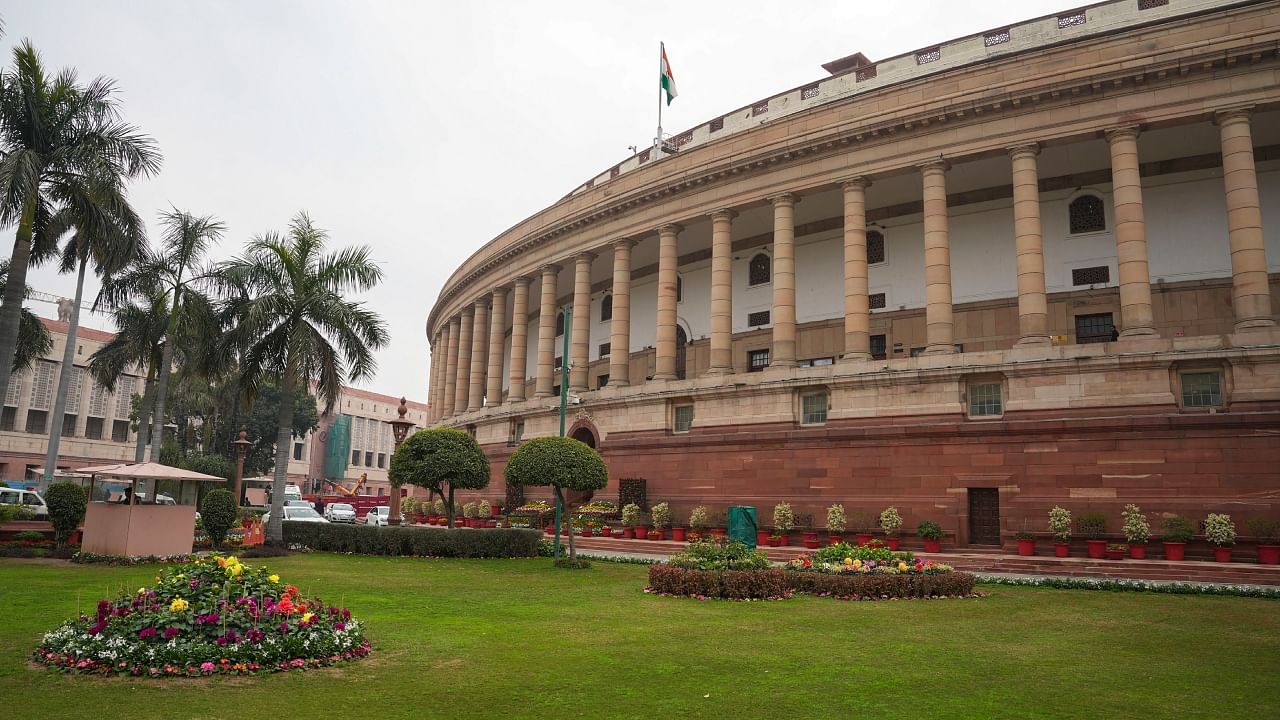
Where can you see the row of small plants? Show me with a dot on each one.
(1177, 531)
(731, 571)
(477, 513)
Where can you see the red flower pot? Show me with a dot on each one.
(677, 534)
(835, 539)
(1138, 552)
(1174, 550)
(717, 533)
(1061, 550)
(655, 535)
(1115, 554)
(642, 532)
(933, 546)
(892, 542)
(627, 533)
(1222, 554)
(775, 542)
(549, 530)
(606, 531)
(585, 532)
(1097, 548)
(863, 539)
(1269, 554)
(784, 541)
(1026, 548)
(495, 509)
(762, 537)
(812, 544)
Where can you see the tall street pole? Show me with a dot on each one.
(241, 444)
(564, 404)
(399, 430)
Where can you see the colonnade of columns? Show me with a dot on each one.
(469, 348)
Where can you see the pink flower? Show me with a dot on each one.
(146, 632)
(171, 633)
(207, 667)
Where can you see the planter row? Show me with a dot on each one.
(774, 583)
(1173, 551)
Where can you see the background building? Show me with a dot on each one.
(1028, 267)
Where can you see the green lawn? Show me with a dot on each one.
(517, 639)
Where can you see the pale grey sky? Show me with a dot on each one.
(424, 129)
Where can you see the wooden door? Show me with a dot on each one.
(984, 516)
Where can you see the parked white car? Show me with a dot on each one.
(28, 498)
(339, 512)
(378, 515)
(298, 513)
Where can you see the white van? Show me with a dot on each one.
(292, 492)
(29, 498)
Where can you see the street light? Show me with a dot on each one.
(242, 445)
(399, 430)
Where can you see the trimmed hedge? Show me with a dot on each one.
(775, 583)
(425, 542)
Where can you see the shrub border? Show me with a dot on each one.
(1126, 585)
(775, 583)
(412, 541)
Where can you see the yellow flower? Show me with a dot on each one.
(857, 564)
(235, 570)
(233, 560)
(848, 561)
(274, 578)
(306, 617)
(142, 591)
(178, 605)
(902, 566)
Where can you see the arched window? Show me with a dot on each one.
(1086, 215)
(606, 308)
(559, 324)
(875, 247)
(679, 289)
(759, 271)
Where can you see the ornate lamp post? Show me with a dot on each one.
(400, 430)
(242, 445)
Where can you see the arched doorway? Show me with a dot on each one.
(584, 435)
(681, 341)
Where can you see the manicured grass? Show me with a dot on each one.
(516, 639)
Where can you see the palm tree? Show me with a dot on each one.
(111, 236)
(179, 272)
(140, 324)
(61, 145)
(297, 326)
(34, 340)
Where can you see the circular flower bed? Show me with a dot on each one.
(210, 616)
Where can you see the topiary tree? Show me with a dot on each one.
(218, 514)
(66, 502)
(561, 462)
(441, 460)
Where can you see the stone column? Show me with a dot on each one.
(453, 343)
(1033, 310)
(519, 340)
(433, 397)
(939, 328)
(1131, 235)
(580, 342)
(547, 332)
(463, 390)
(479, 352)
(857, 312)
(721, 292)
(1250, 287)
(668, 258)
(497, 338)
(784, 281)
(620, 325)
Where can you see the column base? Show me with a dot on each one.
(782, 364)
(1139, 332)
(1253, 324)
(1034, 341)
(855, 356)
(717, 371)
(540, 395)
(663, 377)
(940, 349)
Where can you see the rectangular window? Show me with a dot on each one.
(985, 399)
(878, 347)
(9, 418)
(604, 349)
(515, 433)
(382, 460)
(120, 431)
(37, 421)
(69, 425)
(297, 451)
(1096, 328)
(813, 409)
(757, 360)
(816, 362)
(355, 458)
(368, 458)
(601, 381)
(1202, 389)
(683, 418)
(93, 428)
(558, 362)
(758, 319)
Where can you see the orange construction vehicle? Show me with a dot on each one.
(353, 490)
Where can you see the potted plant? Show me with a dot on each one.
(630, 514)
(931, 533)
(782, 524)
(660, 516)
(469, 514)
(1178, 531)
(495, 507)
(1267, 530)
(697, 523)
(1136, 531)
(891, 523)
(835, 524)
(1026, 543)
(1060, 526)
(1116, 551)
(717, 520)
(1219, 530)
(1093, 526)
(861, 528)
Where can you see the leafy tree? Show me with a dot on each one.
(211, 464)
(297, 327)
(561, 462)
(218, 514)
(62, 144)
(34, 340)
(441, 460)
(66, 502)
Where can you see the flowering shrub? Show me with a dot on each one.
(874, 551)
(1219, 530)
(835, 519)
(719, 556)
(1136, 528)
(630, 514)
(698, 518)
(890, 521)
(1060, 523)
(530, 514)
(213, 615)
(783, 520)
(660, 515)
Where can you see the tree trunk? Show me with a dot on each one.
(64, 378)
(14, 291)
(448, 508)
(144, 415)
(275, 528)
(162, 381)
(566, 518)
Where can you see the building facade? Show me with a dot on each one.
(1029, 267)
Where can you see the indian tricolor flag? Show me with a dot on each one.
(668, 79)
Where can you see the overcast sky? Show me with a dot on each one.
(424, 129)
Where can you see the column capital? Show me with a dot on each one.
(585, 256)
(456, 320)
(523, 280)
(551, 269)
(670, 229)
(938, 165)
(470, 309)
(724, 214)
(1030, 149)
(1120, 133)
(857, 181)
(482, 302)
(623, 244)
(499, 292)
(784, 199)
(1226, 116)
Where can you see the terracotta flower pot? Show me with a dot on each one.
(863, 538)
(1026, 548)
(677, 534)
(1097, 549)
(1138, 552)
(549, 530)
(775, 541)
(585, 532)
(1115, 554)
(642, 532)
(495, 509)
(627, 533)
(785, 541)
(1062, 550)
(655, 535)
(933, 546)
(606, 531)
(892, 542)
(835, 539)
(718, 533)
(1222, 554)
(762, 537)
(1269, 554)
(1174, 551)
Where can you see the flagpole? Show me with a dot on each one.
(657, 142)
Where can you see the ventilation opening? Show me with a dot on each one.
(1099, 275)
(758, 319)
(876, 301)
